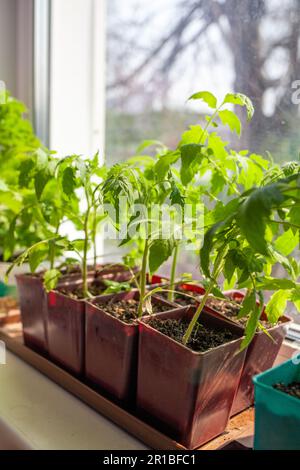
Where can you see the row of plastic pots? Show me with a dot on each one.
(189, 395)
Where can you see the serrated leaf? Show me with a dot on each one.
(192, 135)
(218, 147)
(287, 242)
(205, 251)
(40, 180)
(205, 96)
(252, 323)
(277, 304)
(230, 119)
(253, 213)
(176, 197)
(68, 181)
(149, 143)
(275, 284)
(248, 305)
(295, 297)
(160, 251)
(295, 215)
(25, 174)
(241, 100)
(36, 257)
(190, 160)
(163, 164)
(260, 160)
(229, 267)
(51, 278)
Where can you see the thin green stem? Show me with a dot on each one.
(143, 278)
(286, 223)
(215, 113)
(85, 289)
(94, 236)
(84, 258)
(216, 271)
(194, 320)
(52, 249)
(173, 273)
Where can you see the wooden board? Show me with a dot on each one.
(239, 426)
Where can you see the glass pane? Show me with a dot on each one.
(160, 52)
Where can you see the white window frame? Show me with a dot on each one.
(77, 76)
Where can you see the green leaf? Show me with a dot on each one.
(252, 323)
(176, 197)
(190, 160)
(295, 215)
(229, 267)
(114, 287)
(230, 118)
(277, 304)
(51, 278)
(218, 147)
(205, 96)
(253, 213)
(40, 180)
(287, 242)
(3, 186)
(163, 164)
(259, 160)
(160, 251)
(36, 257)
(68, 181)
(192, 135)
(269, 283)
(205, 251)
(25, 174)
(149, 143)
(241, 100)
(295, 297)
(217, 182)
(248, 305)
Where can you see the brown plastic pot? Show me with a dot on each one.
(191, 289)
(111, 347)
(188, 393)
(66, 330)
(33, 306)
(114, 272)
(117, 272)
(260, 356)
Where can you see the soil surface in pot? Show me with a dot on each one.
(292, 389)
(96, 287)
(186, 298)
(202, 339)
(127, 310)
(230, 309)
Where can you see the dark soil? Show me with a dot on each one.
(127, 310)
(292, 389)
(202, 339)
(95, 288)
(230, 309)
(182, 299)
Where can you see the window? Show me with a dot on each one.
(159, 53)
